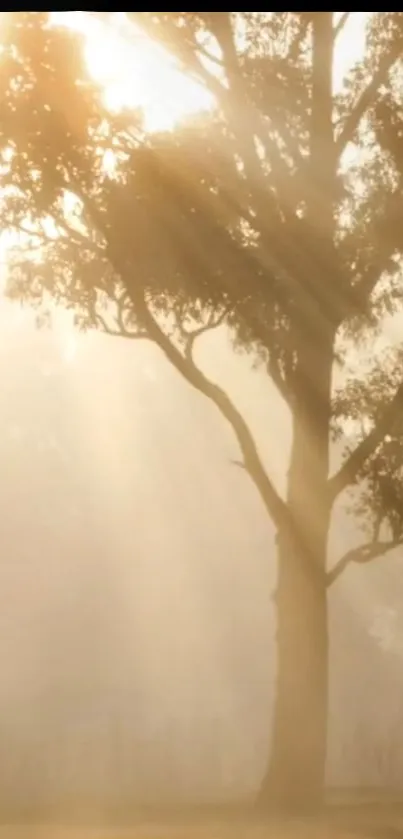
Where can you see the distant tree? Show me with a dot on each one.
(277, 214)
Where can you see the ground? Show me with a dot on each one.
(358, 823)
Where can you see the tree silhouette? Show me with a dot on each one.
(277, 215)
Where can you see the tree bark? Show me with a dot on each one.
(295, 777)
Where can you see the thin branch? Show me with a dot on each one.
(341, 23)
(213, 322)
(238, 463)
(350, 470)
(215, 59)
(185, 365)
(32, 234)
(210, 57)
(298, 40)
(124, 306)
(363, 554)
(278, 379)
(367, 97)
(99, 322)
(71, 236)
(372, 276)
(384, 247)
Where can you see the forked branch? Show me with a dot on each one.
(361, 555)
(185, 365)
(190, 337)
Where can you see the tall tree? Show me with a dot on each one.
(249, 216)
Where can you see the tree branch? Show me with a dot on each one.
(298, 263)
(341, 23)
(213, 322)
(190, 63)
(350, 470)
(367, 97)
(305, 22)
(274, 504)
(119, 331)
(365, 553)
(185, 365)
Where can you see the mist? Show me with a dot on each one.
(137, 568)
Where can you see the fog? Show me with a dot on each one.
(136, 574)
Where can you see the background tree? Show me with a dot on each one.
(249, 216)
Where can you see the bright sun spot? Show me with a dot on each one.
(136, 73)
(350, 45)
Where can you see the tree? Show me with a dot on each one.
(251, 217)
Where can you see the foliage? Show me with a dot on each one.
(361, 402)
(221, 220)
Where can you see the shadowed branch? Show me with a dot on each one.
(341, 23)
(368, 96)
(363, 554)
(117, 328)
(213, 321)
(350, 470)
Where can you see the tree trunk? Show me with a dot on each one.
(296, 774)
(295, 778)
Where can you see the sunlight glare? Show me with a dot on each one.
(350, 46)
(137, 73)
